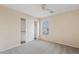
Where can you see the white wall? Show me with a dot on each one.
(63, 28)
(10, 27)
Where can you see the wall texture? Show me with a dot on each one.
(63, 28)
(10, 27)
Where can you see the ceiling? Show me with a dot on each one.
(36, 11)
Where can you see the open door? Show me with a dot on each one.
(29, 30)
(23, 30)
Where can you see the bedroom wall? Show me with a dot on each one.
(10, 27)
(63, 28)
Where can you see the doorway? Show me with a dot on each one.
(23, 30)
(29, 30)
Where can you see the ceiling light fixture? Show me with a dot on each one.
(45, 8)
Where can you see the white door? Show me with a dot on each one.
(29, 30)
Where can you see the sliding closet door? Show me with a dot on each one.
(29, 30)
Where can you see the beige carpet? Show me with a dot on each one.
(41, 47)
